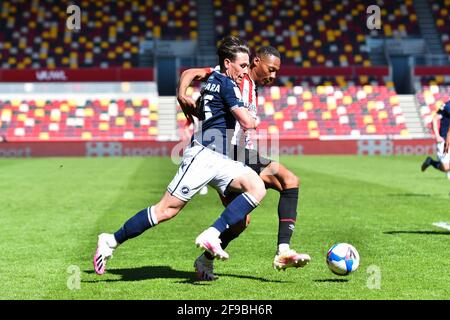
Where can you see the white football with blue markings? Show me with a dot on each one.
(342, 259)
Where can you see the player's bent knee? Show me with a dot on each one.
(164, 213)
(290, 180)
(258, 190)
(250, 183)
(294, 181)
(255, 183)
(168, 207)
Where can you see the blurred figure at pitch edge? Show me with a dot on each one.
(440, 126)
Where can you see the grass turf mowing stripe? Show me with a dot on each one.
(384, 206)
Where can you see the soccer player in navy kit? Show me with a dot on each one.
(204, 162)
(263, 69)
(191, 125)
(443, 162)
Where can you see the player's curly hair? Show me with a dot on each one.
(229, 47)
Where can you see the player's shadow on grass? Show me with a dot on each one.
(409, 195)
(417, 232)
(331, 280)
(165, 272)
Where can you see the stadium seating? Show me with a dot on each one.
(340, 81)
(79, 119)
(432, 93)
(318, 111)
(329, 111)
(329, 33)
(441, 12)
(33, 34)
(110, 36)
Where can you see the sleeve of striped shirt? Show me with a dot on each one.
(208, 70)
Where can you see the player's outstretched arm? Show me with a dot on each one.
(435, 121)
(187, 104)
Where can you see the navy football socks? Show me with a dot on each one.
(435, 164)
(236, 211)
(136, 225)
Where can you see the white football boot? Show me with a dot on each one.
(105, 247)
(204, 268)
(209, 241)
(290, 259)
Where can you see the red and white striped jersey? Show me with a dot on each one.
(250, 97)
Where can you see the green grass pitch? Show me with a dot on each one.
(52, 210)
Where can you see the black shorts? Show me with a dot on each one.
(250, 158)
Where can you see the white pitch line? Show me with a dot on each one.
(443, 225)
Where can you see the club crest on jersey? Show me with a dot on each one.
(212, 87)
(185, 190)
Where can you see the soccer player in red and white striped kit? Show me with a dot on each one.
(262, 72)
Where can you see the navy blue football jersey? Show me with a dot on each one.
(445, 120)
(219, 96)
